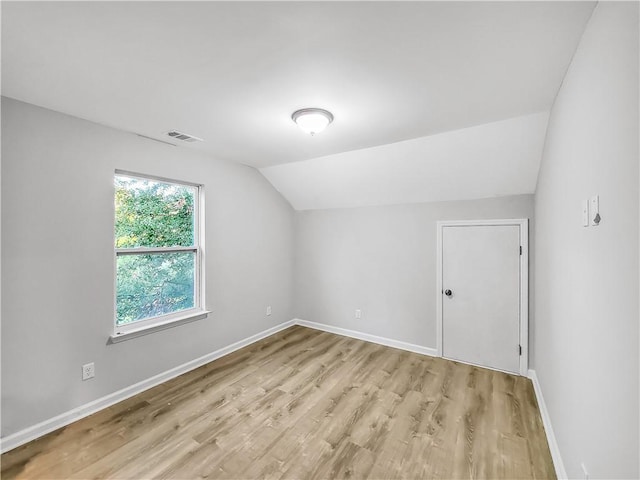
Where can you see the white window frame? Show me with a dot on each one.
(149, 325)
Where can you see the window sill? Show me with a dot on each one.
(173, 322)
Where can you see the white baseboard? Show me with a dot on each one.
(410, 347)
(561, 473)
(31, 433)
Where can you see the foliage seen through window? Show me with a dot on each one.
(155, 216)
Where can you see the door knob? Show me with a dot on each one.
(448, 293)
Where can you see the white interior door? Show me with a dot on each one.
(481, 295)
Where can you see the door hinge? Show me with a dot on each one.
(520, 249)
(520, 349)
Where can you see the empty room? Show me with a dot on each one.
(320, 240)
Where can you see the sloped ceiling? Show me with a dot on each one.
(495, 159)
(233, 72)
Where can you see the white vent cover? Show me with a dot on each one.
(183, 136)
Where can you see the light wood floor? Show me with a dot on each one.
(305, 404)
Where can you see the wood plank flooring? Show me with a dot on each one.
(304, 404)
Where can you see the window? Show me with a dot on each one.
(158, 253)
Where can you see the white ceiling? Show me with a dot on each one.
(495, 159)
(232, 73)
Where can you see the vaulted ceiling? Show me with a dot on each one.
(233, 72)
(494, 159)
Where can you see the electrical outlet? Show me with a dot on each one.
(269, 310)
(88, 371)
(358, 314)
(584, 471)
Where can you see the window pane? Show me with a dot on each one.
(149, 285)
(150, 213)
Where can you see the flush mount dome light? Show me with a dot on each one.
(312, 120)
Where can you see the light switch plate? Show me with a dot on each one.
(594, 210)
(585, 213)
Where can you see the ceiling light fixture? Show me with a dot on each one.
(312, 120)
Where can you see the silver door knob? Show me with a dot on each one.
(448, 293)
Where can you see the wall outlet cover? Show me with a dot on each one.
(88, 371)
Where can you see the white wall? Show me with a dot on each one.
(381, 260)
(586, 336)
(57, 260)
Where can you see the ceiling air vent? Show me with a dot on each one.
(183, 136)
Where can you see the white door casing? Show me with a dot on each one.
(485, 319)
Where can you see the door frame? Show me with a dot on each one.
(523, 224)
